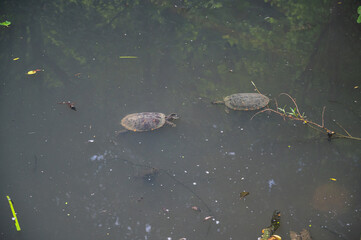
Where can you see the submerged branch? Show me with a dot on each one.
(297, 116)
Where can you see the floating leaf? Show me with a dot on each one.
(333, 179)
(128, 57)
(6, 23)
(31, 72)
(15, 59)
(243, 194)
(197, 209)
(281, 109)
(14, 214)
(293, 113)
(207, 218)
(355, 87)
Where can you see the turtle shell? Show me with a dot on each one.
(246, 101)
(145, 121)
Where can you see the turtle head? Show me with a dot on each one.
(172, 116)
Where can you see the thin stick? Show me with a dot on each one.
(343, 128)
(315, 128)
(14, 214)
(349, 137)
(264, 110)
(284, 119)
(294, 102)
(323, 114)
(276, 104)
(255, 87)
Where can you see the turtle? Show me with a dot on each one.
(147, 121)
(244, 101)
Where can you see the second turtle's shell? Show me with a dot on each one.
(246, 101)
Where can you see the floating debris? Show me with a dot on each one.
(32, 72)
(15, 219)
(268, 233)
(243, 195)
(148, 227)
(5, 23)
(71, 105)
(128, 57)
(271, 183)
(197, 209)
(97, 157)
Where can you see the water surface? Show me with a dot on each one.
(71, 177)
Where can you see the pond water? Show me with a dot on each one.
(70, 175)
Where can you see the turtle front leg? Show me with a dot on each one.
(170, 123)
(117, 133)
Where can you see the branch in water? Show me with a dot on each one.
(297, 116)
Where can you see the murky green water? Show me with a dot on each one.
(71, 177)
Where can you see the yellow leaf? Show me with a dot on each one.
(31, 72)
(333, 179)
(34, 71)
(355, 87)
(15, 59)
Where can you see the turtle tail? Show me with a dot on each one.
(217, 102)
